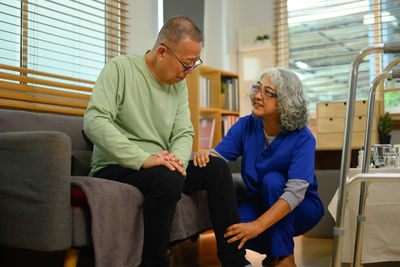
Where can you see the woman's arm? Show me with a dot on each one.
(246, 231)
(229, 148)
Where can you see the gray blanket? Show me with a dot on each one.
(117, 220)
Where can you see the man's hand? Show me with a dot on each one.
(168, 156)
(243, 232)
(201, 158)
(166, 159)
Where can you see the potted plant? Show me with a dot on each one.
(262, 38)
(384, 128)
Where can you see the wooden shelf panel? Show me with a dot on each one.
(209, 110)
(215, 77)
(230, 112)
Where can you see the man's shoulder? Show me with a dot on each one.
(126, 58)
(126, 64)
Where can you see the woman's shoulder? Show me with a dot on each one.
(306, 131)
(249, 120)
(248, 124)
(304, 134)
(301, 135)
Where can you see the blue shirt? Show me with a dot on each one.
(291, 153)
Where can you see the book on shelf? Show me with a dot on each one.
(206, 132)
(232, 94)
(204, 92)
(227, 122)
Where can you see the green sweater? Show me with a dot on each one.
(132, 115)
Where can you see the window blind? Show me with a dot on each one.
(319, 39)
(51, 52)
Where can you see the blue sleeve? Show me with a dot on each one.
(302, 159)
(231, 146)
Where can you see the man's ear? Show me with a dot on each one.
(161, 52)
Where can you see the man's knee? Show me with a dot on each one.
(218, 164)
(219, 172)
(169, 182)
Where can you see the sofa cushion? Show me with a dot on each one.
(18, 120)
(80, 162)
(87, 140)
(235, 166)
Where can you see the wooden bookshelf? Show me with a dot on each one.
(214, 110)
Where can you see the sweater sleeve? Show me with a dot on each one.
(294, 192)
(100, 116)
(181, 139)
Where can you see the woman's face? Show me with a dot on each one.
(264, 99)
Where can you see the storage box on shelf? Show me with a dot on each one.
(211, 108)
(331, 121)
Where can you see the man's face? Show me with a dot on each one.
(184, 54)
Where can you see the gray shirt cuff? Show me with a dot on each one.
(294, 192)
(218, 155)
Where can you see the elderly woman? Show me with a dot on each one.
(278, 151)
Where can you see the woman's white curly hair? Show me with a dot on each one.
(292, 105)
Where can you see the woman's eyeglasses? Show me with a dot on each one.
(264, 91)
(185, 68)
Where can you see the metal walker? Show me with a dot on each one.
(364, 177)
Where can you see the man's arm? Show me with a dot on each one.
(99, 121)
(181, 139)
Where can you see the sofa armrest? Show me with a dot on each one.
(35, 208)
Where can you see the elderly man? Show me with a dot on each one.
(139, 121)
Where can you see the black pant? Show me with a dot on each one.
(216, 178)
(162, 189)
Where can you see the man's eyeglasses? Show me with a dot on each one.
(264, 91)
(185, 68)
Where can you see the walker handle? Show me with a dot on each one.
(396, 73)
(393, 47)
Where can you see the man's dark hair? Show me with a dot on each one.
(177, 29)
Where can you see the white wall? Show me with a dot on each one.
(244, 14)
(214, 34)
(142, 25)
(223, 18)
(221, 23)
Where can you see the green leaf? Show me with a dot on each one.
(385, 124)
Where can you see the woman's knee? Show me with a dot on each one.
(273, 182)
(272, 188)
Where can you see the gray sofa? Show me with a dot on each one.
(41, 157)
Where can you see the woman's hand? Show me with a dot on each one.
(244, 232)
(202, 158)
